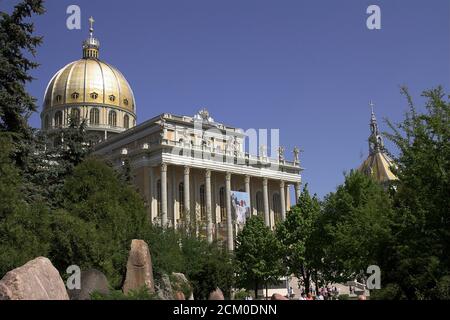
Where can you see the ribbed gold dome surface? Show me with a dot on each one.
(89, 81)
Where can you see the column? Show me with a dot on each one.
(187, 200)
(247, 190)
(297, 192)
(287, 194)
(283, 201)
(153, 213)
(266, 202)
(209, 234)
(171, 194)
(164, 195)
(230, 242)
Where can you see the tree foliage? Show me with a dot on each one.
(24, 228)
(97, 221)
(355, 227)
(258, 258)
(419, 257)
(301, 254)
(17, 42)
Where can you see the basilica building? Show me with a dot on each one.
(192, 171)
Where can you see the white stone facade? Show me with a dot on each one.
(186, 167)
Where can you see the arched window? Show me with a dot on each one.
(158, 198)
(75, 95)
(94, 95)
(126, 121)
(202, 203)
(46, 122)
(181, 199)
(75, 115)
(112, 118)
(259, 204)
(222, 205)
(58, 119)
(58, 98)
(276, 206)
(112, 98)
(94, 116)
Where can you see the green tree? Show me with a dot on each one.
(99, 217)
(355, 227)
(257, 256)
(165, 247)
(207, 266)
(17, 42)
(296, 236)
(418, 261)
(24, 228)
(54, 156)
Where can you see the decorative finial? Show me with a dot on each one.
(91, 23)
(375, 140)
(371, 104)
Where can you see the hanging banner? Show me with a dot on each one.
(240, 203)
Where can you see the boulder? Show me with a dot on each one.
(277, 296)
(179, 296)
(164, 288)
(181, 283)
(38, 279)
(216, 295)
(92, 280)
(139, 268)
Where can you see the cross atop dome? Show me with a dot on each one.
(91, 23)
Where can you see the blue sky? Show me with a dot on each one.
(306, 67)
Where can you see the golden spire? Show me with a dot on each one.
(91, 45)
(375, 140)
(378, 164)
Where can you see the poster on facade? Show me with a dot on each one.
(241, 210)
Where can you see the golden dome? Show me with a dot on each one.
(378, 166)
(89, 81)
(90, 90)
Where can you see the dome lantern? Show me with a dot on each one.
(91, 45)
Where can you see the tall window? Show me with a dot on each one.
(75, 115)
(94, 116)
(202, 203)
(112, 118)
(58, 119)
(158, 198)
(126, 121)
(181, 199)
(259, 203)
(46, 122)
(276, 205)
(222, 205)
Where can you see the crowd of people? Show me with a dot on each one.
(328, 293)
